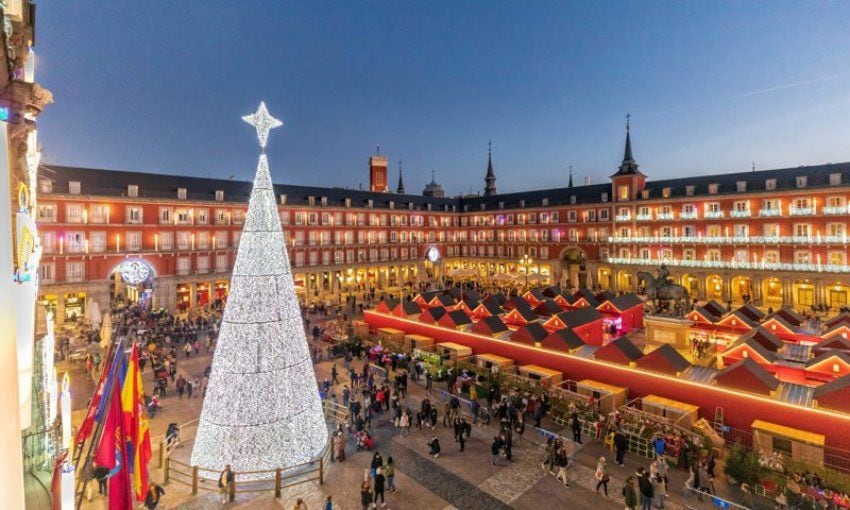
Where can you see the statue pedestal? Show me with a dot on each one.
(668, 330)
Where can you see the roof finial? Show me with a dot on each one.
(433, 176)
(570, 184)
(378, 150)
(489, 147)
(400, 188)
(754, 166)
(628, 119)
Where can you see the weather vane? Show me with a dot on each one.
(263, 122)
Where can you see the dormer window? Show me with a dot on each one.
(770, 184)
(410, 206)
(74, 187)
(644, 194)
(801, 181)
(690, 190)
(370, 203)
(324, 201)
(834, 179)
(522, 203)
(501, 205)
(741, 186)
(713, 188)
(132, 190)
(347, 202)
(605, 196)
(45, 186)
(545, 202)
(483, 207)
(392, 204)
(219, 196)
(283, 199)
(181, 193)
(311, 201)
(665, 192)
(572, 199)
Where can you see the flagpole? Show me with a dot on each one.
(98, 431)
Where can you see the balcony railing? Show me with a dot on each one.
(770, 213)
(834, 209)
(644, 217)
(664, 216)
(802, 211)
(718, 264)
(623, 217)
(740, 214)
(713, 215)
(688, 215)
(820, 240)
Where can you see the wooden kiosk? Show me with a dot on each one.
(797, 444)
(538, 373)
(360, 328)
(493, 363)
(453, 350)
(391, 338)
(421, 342)
(673, 411)
(610, 397)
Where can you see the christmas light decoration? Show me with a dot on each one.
(262, 410)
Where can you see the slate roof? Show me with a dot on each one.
(752, 312)
(752, 343)
(534, 330)
(563, 336)
(832, 386)
(492, 306)
(494, 324)
(459, 317)
(588, 295)
(669, 356)
(715, 308)
(548, 307)
(625, 302)
(552, 291)
(625, 346)
(498, 297)
(161, 185)
(835, 343)
(790, 316)
(410, 308)
(763, 376)
(764, 338)
(843, 356)
(842, 318)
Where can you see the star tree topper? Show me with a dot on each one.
(263, 122)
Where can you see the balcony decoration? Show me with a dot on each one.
(262, 410)
(770, 213)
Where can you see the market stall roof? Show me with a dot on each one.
(455, 318)
(834, 394)
(530, 334)
(516, 302)
(564, 340)
(491, 307)
(621, 351)
(841, 318)
(579, 317)
(606, 295)
(716, 309)
(828, 361)
(841, 329)
(490, 325)
(702, 315)
(834, 343)
(747, 375)
(407, 308)
(802, 436)
(665, 359)
(764, 337)
(622, 303)
(523, 312)
(445, 300)
(753, 349)
(778, 324)
(432, 315)
(548, 307)
(737, 320)
(498, 297)
(792, 317)
(387, 305)
(588, 296)
(552, 291)
(752, 312)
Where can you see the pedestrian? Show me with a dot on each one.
(189, 388)
(434, 447)
(621, 444)
(377, 463)
(647, 491)
(300, 504)
(575, 425)
(562, 460)
(601, 475)
(187, 349)
(225, 484)
(181, 386)
(379, 488)
(366, 492)
(329, 504)
(659, 489)
(340, 446)
(155, 492)
(334, 375)
(495, 448)
(629, 494)
(389, 472)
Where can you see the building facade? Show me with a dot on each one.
(775, 236)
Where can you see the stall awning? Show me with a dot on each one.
(789, 433)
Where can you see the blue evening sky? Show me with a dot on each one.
(712, 87)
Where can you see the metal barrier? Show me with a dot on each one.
(699, 500)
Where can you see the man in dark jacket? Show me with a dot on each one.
(155, 492)
(647, 491)
(621, 444)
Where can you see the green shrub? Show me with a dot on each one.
(743, 465)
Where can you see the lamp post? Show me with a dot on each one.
(526, 262)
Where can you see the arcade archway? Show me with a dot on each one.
(132, 281)
(573, 269)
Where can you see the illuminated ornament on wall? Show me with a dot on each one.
(134, 272)
(433, 254)
(262, 409)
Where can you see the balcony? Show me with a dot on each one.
(802, 211)
(798, 240)
(644, 217)
(664, 216)
(831, 210)
(770, 213)
(734, 264)
(688, 215)
(623, 217)
(713, 215)
(740, 214)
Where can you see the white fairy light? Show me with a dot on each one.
(262, 410)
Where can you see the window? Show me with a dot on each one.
(688, 254)
(203, 263)
(166, 241)
(181, 193)
(183, 240)
(48, 241)
(221, 217)
(98, 213)
(132, 190)
(221, 263)
(770, 184)
(802, 229)
(134, 241)
(712, 255)
(603, 214)
(75, 242)
(283, 199)
(202, 216)
(545, 202)
(46, 272)
(604, 196)
(74, 213)
(591, 215)
(238, 217)
(203, 240)
(742, 231)
(665, 192)
(835, 229)
(689, 231)
(220, 240)
(802, 257)
(834, 179)
(836, 258)
(689, 190)
(741, 186)
(771, 257)
(219, 196)
(622, 193)
(801, 181)
(74, 187)
(183, 216)
(46, 212)
(98, 242)
(713, 189)
(184, 265)
(644, 194)
(571, 216)
(164, 215)
(134, 214)
(45, 186)
(771, 230)
(74, 271)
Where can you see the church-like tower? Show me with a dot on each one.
(490, 179)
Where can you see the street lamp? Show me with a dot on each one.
(526, 262)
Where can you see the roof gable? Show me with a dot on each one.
(563, 340)
(748, 375)
(666, 358)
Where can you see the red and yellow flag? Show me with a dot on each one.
(137, 436)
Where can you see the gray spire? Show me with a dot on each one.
(570, 184)
(629, 166)
(400, 188)
(490, 179)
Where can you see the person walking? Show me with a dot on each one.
(181, 386)
(629, 494)
(300, 504)
(189, 388)
(647, 491)
(155, 492)
(562, 461)
(621, 444)
(575, 426)
(377, 463)
(329, 504)
(379, 487)
(366, 492)
(389, 472)
(225, 484)
(334, 375)
(601, 475)
(495, 448)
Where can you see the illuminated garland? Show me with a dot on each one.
(262, 409)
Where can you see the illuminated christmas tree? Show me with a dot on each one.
(262, 409)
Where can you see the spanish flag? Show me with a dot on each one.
(137, 437)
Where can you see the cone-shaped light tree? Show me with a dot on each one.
(262, 409)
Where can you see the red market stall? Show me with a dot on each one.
(622, 314)
(620, 351)
(455, 319)
(747, 375)
(531, 334)
(564, 340)
(665, 359)
(834, 395)
(490, 326)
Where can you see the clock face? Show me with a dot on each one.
(134, 272)
(433, 254)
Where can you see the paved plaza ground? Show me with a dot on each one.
(454, 480)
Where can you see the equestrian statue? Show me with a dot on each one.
(662, 288)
